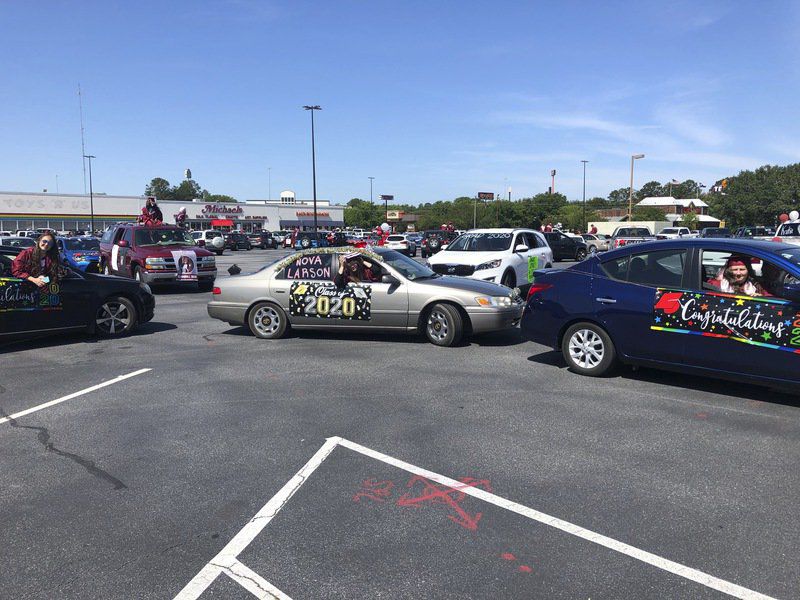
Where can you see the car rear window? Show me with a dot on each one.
(396, 238)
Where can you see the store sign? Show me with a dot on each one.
(394, 215)
(485, 195)
(310, 213)
(221, 209)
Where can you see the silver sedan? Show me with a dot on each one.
(399, 294)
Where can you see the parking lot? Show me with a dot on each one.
(213, 464)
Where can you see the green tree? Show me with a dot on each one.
(619, 197)
(217, 198)
(187, 191)
(690, 219)
(571, 217)
(597, 203)
(159, 188)
(648, 213)
(650, 189)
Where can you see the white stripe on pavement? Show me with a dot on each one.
(28, 411)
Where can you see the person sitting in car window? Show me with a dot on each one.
(39, 264)
(354, 269)
(737, 277)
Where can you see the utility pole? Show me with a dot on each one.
(371, 179)
(83, 148)
(91, 191)
(584, 195)
(312, 108)
(630, 191)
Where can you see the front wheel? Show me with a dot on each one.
(444, 326)
(580, 254)
(588, 350)
(115, 317)
(267, 321)
(509, 280)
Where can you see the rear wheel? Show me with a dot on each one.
(588, 350)
(509, 279)
(305, 243)
(267, 321)
(580, 254)
(116, 316)
(444, 326)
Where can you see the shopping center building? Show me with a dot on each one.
(68, 212)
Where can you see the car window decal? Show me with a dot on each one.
(185, 264)
(19, 295)
(311, 266)
(533, 264)
(326, 301)
(761, 321)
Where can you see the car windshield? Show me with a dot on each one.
(82, 244)
(481, 242)
(163, 237)
(408, 268)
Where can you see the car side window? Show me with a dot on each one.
(106, 239)
(310, 267)
(128, 236)
(664, 268)
(616, 268)
(118, 234)
(5, 266)
(741, 273)
(538, 241)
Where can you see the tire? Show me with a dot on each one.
(509, 279)
(115, 317)
(267, 321)
(580, 254)
(588, 350)
(443, 325)
(219, 252)
(305, 243)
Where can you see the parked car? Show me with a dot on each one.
(108, 306)
(236, 240)
(310, 239)
(152, 255)
(788, 232)
(279, 236)
(505, 256)
(434, 240)
(715, 232)
(625, 236)
(666, 305)
(27, 233)
(404, 296)
(670, 233)
(262, 240)
(566, 247)
(596, 241)
(17, 242)
(210, 239)
(753, 232)
(402, 243)
(81, 253)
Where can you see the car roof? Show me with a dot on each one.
(710, 243)
(500, 230)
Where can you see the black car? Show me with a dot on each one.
(433, 240)
(715, 232)
(565, 247)
(106, 305)
(237, 241)
(262, 240)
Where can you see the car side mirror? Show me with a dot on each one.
(390, 279)
(791, 291)
(122, 244)
(521, 248)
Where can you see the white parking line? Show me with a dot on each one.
(227, 562)
(28, 411)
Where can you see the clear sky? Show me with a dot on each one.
(434, 99)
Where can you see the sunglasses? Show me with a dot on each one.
(46, 242)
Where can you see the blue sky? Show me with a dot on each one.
(433, 99)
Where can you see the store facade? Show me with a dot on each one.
(67, 212)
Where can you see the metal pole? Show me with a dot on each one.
(91, 190)
(269, 174)
(630, 195)
(314, 169)
(584, 194)
(475, 214)
(370, 189)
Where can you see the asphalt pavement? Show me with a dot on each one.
(381, 466)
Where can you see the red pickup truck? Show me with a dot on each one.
(156, 254)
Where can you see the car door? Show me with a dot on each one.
(755, 335)
(74, 295)
(300, 284)
(16, 300)
(537, 256)
(625, 295)
(388, 302)
(117, 263)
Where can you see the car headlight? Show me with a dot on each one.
(491, 264)
(502, 301)
(154, 261)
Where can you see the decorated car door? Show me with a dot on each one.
(26, 307)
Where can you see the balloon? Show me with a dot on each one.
(218, 242)
(784, 217)
(385, 227)
(794, 215)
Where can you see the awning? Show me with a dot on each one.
(221, 223)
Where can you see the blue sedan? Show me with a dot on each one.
(725, 308)
(81, 253)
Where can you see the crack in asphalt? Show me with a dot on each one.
(43, 436)
(234, 576)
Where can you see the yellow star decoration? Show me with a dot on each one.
(739, 302)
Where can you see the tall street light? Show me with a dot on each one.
(91, 191)
(630, 191)
(371, 179)
(585, 224)
(313, 159)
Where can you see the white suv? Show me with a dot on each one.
(507, 256)
(208, 236)
(401, 243)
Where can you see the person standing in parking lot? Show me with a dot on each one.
(39, 264)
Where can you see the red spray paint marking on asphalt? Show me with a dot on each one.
(451, 497)
(524, 569)
(374, 490)
(508, 556)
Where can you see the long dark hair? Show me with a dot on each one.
(52, 252)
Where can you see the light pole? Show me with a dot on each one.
(269, 177)
(371, 179)
(585, 224)
(91, 191)
(630, 191)
(313, 160)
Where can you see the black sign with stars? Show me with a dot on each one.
(326, 301)
(762, 321)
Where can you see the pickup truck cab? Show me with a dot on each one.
(672, 233)
(623, 236)
(150, 254)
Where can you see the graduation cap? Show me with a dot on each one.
(234, 269)
(352, 255)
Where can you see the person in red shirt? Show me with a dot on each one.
(593, 230)
(151, 213)
(737, 277)
(39, 264)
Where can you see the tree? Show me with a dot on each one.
(648, 213)
(571, 217)
(217, 198)
(598, 203)
(159, 188)
(619, 197)
(187, 191)
(650, 189)
(690, 219)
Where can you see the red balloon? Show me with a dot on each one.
(784, 217)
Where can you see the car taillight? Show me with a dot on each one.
(216, 291)
(538, 287)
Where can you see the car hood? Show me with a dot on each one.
(166, 251)
(448, 257)
(465, 284)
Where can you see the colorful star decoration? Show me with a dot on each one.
(766, 335)
(740, 302)
(704, 306)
